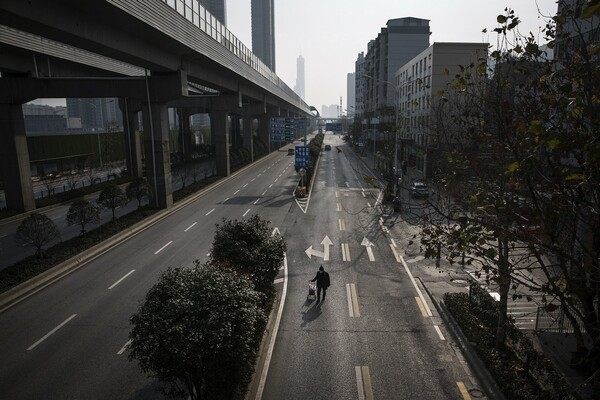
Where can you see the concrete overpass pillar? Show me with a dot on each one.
(14, 159)
(219, 126)
(247, 132)
(185, 132)
(236, 141)
(156, 146)
(264, 129)
(133, 144)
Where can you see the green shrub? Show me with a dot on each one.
(511, 369)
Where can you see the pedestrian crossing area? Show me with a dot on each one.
(522, 311)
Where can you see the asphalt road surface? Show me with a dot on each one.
(69, 340)
(372, 338)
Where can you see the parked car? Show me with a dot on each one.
(327, 147)
(290, 152)
(419, 189)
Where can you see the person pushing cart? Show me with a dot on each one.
(323, 282)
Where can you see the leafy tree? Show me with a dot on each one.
(138, 189)
(197, 331)
(81, 213)
(530, 138)
(36, 230)
(249, 247)
(111, 197)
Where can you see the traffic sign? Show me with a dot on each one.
(302, 159)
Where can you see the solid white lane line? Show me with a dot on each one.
(394, 243)
(162, 248)
(416, 287)
(349, 295)
(263, 378)
(247, 211)
(124, 347)
(119, 281)
(256, 201)
(359, 383)
(236, 192)
(190, 227)
(51, 332)
(439, 332)
(354, 300)
(263, 193)
(208, 213)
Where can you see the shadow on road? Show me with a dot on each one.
(310, 311)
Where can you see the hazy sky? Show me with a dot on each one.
(330, 33)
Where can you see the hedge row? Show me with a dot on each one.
(521, 372)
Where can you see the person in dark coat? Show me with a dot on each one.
(323, 283)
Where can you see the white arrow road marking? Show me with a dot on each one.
(312, 252)
(368, 245)
(326, 242)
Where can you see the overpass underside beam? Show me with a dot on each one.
(14, 159)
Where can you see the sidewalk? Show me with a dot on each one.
(451, 279)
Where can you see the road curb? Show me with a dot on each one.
(478, 368)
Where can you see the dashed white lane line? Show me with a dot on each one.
(252, 180)
(120, 280)
(271, 185)
(236, 192)
(256, 201)
(51, 332)
(247, 211)
(263, 193)
(245, 185)
(225, 201)
(125, 346)
(394, 243)
(190, 227)
(412, 279)
(439, 332)
(164, 247)
(208, 213)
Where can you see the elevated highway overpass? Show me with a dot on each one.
(152, 54)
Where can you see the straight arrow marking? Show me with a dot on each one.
(368, 246)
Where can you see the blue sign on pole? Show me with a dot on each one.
(302, 157)
(333, 126)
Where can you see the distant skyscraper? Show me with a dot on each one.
(351, 93)
(216, 8)
(299, 88)
(263, 31)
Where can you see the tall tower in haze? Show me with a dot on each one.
(263, 31)
(216, 8)
(299, 88)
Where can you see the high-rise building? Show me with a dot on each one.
(263, 31)
(418, 81)
(359, 68)
(96, 113)
(299, 88)
(216, 8)
(397, 43)
(351, 93)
